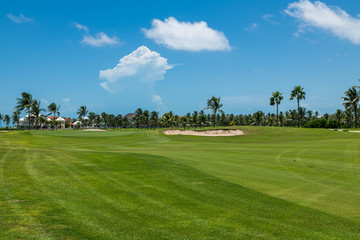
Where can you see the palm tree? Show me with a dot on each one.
(146, 118)
(167, 119)
(16, 117)
(309, 115)
(139, 118)
(36, 111)
(202, 118)
(338, 116)
(104, 119)
(52, 108)
(215, 105)
(7, 120)
(92, 117)
(351, 100)
(119, 121)
(276, 98)
(293, 115)
(26, 103)
(299, 94)
(154, 119)
(82, 111)
(1, 118)
(194, 119)
(281, 118)
(258, 117)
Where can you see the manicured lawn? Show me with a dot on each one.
(272, 183)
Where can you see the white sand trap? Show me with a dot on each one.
(94, 130)
(209, 133)
(4, 131)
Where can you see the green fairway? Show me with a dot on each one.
(271, 183)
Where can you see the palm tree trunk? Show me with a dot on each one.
(29, 117)
(277, 114)
(355, 111)
(298, 115)
(214, 118)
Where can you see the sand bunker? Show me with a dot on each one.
(94, 130)
(210, 133)
(4, 131)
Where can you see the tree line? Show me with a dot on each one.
(145, 119)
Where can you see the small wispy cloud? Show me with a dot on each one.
(66, 100)
(270, 19)
(81, 26)
(19, 19)
(100, 40)
(252, 27)
(157, 99)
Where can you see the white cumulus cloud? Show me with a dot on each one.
(81, 27)
(19, 19)
(331, 19)
(100, 40)
(186, 36)
(141, 65)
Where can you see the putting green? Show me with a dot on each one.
(136, 184)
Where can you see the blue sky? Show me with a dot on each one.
(176, 54)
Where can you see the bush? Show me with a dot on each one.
(321, 123)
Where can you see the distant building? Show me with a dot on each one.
(59, 120)
(130, 117)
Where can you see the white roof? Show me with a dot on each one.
(60, 119)
(32, 115)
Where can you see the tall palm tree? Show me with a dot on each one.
(52, 108)
(82, 111)
(1, 118)
(351, 100)
(214, 105)
(276, 98)
(299, 94)
(26, 103)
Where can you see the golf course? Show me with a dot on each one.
(270, 183)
